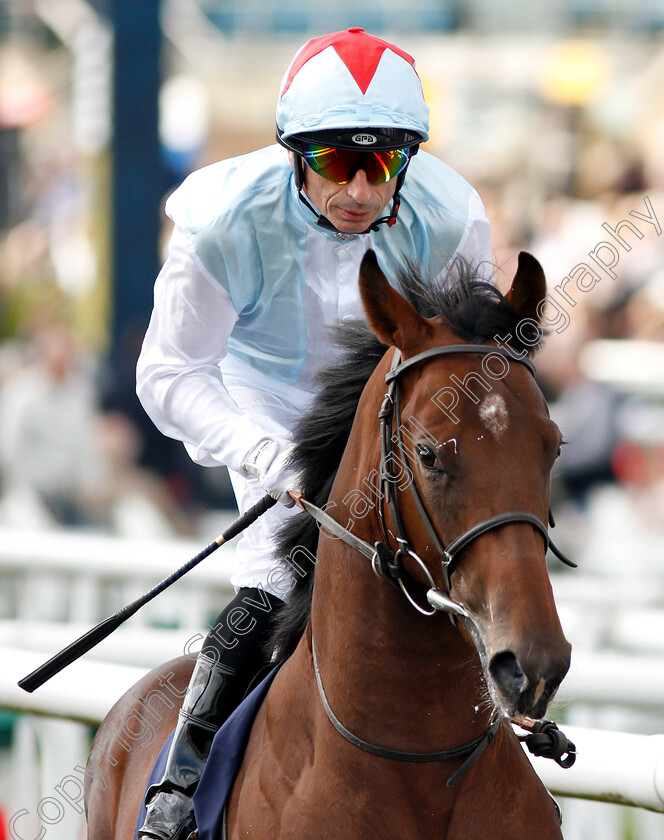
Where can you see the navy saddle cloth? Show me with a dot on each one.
(222, 765)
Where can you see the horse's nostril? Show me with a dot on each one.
(507, 674)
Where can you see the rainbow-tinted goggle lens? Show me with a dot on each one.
(341, 165)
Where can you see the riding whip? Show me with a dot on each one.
(97, 634)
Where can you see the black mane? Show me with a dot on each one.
(320, 439)
(473, 308)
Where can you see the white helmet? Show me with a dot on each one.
(351, 80)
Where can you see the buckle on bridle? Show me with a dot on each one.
(386, 408)
(385, 564)
(446, 559)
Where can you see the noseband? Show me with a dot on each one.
(389, 414)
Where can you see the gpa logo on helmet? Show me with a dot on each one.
(364, 139)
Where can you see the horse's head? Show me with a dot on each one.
(471, 436)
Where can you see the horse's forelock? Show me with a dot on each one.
(470, 305)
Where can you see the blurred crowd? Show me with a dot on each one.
(602, 370)
(75, 448)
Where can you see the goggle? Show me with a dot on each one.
(341, 165)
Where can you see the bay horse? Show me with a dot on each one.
(431, 446)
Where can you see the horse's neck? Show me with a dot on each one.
(387, 670)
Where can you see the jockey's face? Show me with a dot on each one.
(351, 207)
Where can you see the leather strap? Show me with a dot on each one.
(473, 749)
(334, 527)
(455, 349)
(460, 542)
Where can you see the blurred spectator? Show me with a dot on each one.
(46, 415)
(586, 413)
(63, 462)
(132, 500)
(638, 463)
(644, 310)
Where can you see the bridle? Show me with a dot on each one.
(390, 415)
(387, 564)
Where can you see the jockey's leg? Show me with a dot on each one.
(229, 660)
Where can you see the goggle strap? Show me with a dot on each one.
(396, 203)
(391, 220)
(387, 220)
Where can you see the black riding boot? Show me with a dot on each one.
(224, 669)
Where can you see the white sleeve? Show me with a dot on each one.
(475, 244)
(178, 379)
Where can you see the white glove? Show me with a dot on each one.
(269, 463)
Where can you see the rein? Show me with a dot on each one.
(473, 749)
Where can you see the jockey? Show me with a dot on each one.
(263, 259)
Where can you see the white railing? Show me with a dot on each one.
(84, 692)
(612, 766)
(614, 679)
(144, 647)
(617, 767)
(599, 679)
(55, 586)
(82, 577)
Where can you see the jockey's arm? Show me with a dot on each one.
(178, 379)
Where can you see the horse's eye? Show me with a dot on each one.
(560, 448)
(427, 456)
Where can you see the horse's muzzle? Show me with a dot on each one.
(526, 684)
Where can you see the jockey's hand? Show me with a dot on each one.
(268, 461)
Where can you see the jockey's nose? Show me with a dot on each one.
(358, 188)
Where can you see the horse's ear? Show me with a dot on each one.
(389, 314)
(528, 288)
